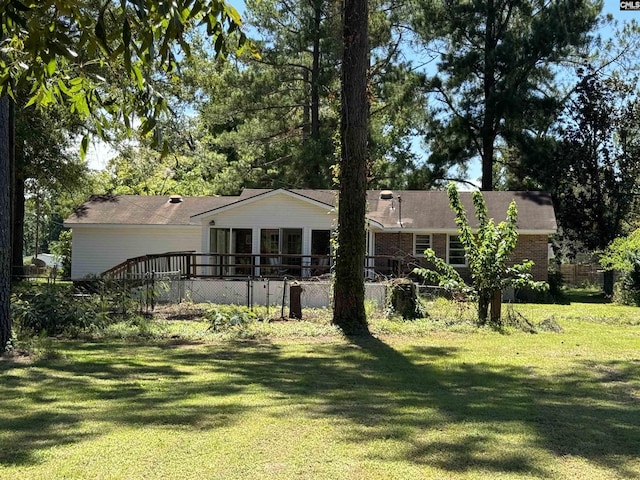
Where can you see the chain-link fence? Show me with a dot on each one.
(254, 291)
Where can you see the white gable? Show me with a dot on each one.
(280, 209)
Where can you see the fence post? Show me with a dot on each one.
(267, 293)
(284, 295)
(249, 305)
(153, 290)
(295, 301)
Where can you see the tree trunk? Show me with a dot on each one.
(5, 223)
(17, 201)
(349, 313)
(496, 307)
(306, 109)
(314, 176)
(607, 282)
(315, 72)
(483, 308)
(487, 130)
(17, 243)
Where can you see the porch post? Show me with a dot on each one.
(255, 250)
(371, 249)
(305, 263)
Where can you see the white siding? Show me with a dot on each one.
(277, 211)
(96, 249)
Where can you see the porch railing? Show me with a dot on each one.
(242, 265)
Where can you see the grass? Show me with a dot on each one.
(427, 399)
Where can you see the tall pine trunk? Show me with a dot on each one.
(315, 71)
(17, 240)
(488, 128)
(5, 223)
(349, 313)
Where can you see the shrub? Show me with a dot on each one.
(556, 283)
(62, 249)
(53, 310)
(555, 293)
(627, 290)
(623, 255)
(224, 317)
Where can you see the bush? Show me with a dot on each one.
(627, 290)
(225, 317)
(623, 255)
(555, 293)
(54, 310)
(62, 249)
(556, 283)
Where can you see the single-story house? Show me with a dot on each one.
(286, 232)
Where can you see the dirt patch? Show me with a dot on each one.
(17, 356)
(182, 311)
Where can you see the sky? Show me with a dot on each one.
(100, 153)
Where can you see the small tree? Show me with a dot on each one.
(488, 252)
(623, 255)
(62, 250)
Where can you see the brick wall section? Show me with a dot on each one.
(439, 244)
(400, 244)
(530, 247)
(533, 247)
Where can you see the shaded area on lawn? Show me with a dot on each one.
(586, 295)
(574, 414)
(118, 389)
(414, 397)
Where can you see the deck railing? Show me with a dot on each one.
(242, 265)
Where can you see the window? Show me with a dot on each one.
(457, 254)
(281, 240)
(320, 242)
(420, 244)
(291, 240)
(320, 251)
(277, 241)
(270, 240)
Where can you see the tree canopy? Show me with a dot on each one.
(62, 51)
(591, 163)
(496, 71)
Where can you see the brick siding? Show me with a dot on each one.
(530, 247)
(397, 244)
(536, 248)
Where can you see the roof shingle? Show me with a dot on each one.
(408, 209)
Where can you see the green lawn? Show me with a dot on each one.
(422, 400)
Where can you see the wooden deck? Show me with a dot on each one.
(189, 265)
